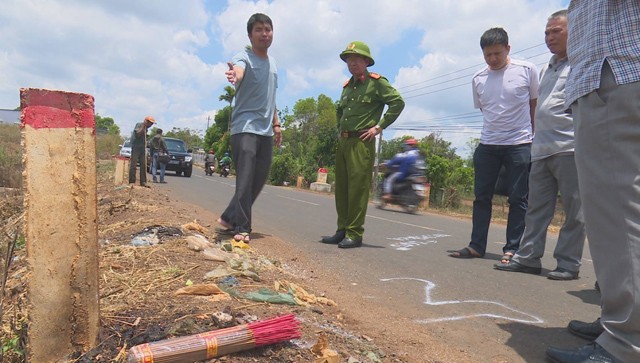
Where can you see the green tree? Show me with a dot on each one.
(190, 137)
(310, 135)
(228, 96)
(106, 125)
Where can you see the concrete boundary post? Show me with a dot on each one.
(58, 136)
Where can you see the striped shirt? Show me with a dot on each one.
(602, 30)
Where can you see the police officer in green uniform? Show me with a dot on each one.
(360, 120)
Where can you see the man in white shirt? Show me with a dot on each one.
(506, 92)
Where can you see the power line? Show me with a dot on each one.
(464, 69)
(455, 86)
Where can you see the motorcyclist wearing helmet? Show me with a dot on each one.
(209, 159)
(226, 160)
(404, 162)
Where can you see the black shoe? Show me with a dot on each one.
(562, 274)
(513, 266)
(590, 353)
(335, 239)
(350, 243)
(586, 330)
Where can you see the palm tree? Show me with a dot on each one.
(228, 96)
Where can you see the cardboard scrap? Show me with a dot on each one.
(323, 353)
(211, 290)
(201, 289)
(303, 297)
(194, 226)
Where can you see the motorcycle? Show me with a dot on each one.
(209, 169)
(224, 170)
(408, 193)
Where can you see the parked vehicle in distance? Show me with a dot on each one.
(180, 158)
(125, 149)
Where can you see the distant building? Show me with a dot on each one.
(9, 116)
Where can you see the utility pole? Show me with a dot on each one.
(208, 119)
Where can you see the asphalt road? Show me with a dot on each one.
(404, 264)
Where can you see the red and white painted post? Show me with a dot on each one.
(58, 133)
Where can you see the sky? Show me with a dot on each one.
(167, 58)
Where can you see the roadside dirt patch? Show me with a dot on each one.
(138, 303)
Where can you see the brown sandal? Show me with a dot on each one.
(506, 258)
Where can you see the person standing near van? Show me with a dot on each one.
(158, 147)
(138, 150)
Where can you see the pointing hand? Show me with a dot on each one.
(231, 74)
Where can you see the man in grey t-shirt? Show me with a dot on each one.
(254, 123)
(553, 169)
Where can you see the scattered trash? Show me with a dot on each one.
(151, 235)
(303, 297)
(323, 353)
(239, 244)
(198, 242)
(242, 264)
(161, 231)
(202, 290)
(214, 254)
(352, 360)
(184, 326)
(220, 271)
(229, 281)
(189, 283)
(145, 240)
(216, 343)
(270, 296)
(194, 226)
(222, 319)
(373, 357)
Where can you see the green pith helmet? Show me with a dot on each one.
(357, 48)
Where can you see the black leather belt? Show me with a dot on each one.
(348, 134)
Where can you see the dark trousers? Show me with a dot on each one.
(252, 157)
(138, 156)
(487, 161)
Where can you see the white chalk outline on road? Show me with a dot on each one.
(407, 243)
(428, 301)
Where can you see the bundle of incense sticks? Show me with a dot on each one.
(217, 343)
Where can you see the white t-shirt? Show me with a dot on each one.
(503, 97)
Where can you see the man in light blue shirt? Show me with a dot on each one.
(254, 123)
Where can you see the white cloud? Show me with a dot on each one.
(167, 58)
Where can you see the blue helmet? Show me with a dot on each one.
(226, 154)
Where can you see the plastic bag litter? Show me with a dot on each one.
(198, 242)
(161, 231)
(214, 254)
(242, 264)
(223, 271)
(270, 296)
(145, 240)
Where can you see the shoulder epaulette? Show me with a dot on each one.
(374, 75)
(346, 83)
